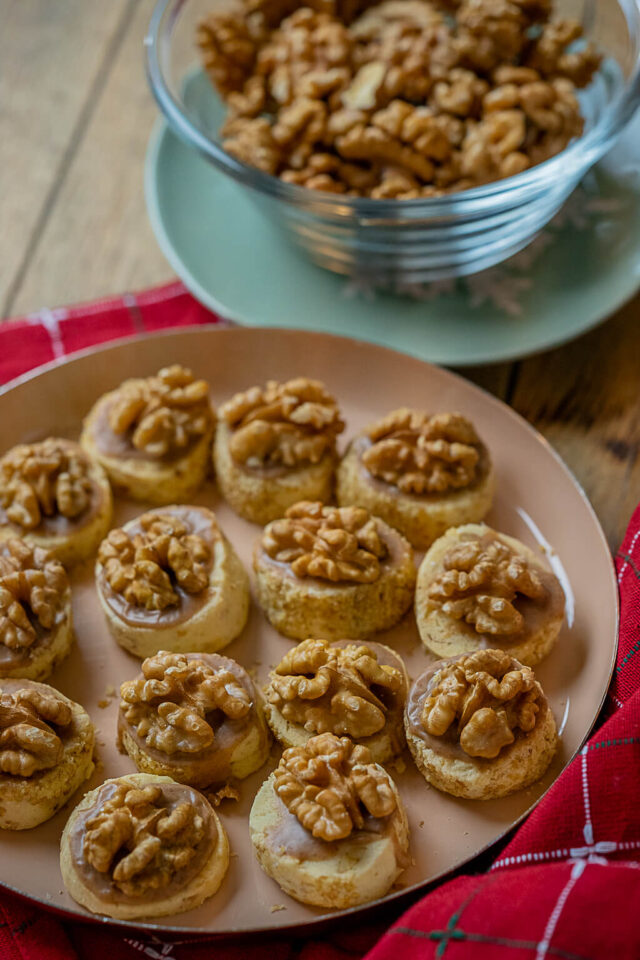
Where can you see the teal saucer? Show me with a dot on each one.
(579, 270)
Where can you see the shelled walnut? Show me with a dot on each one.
(418, 453)
(334, 543)
(33, 592)
(171, 704)
(329, 689)
(480, 584)
(282, 423)
(140, 842)
(330, 784)
(487, 698)
(44, 479)
(164, 414)
(148, 567)
(29, 720)
(303, 81)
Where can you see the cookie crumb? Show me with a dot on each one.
(421, 824)
(215, 797)
(277, 906)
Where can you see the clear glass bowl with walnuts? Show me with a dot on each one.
(402, 141)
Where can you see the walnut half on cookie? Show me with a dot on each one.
(153, 435)
(46, 752)
(276, 445)
(193, 717)
(36, 622)
(170, 580)
(332, 572)
(329, 825)
(479, 726)
(53, 495)
(142, 846)
(420, 473)
(478, 588)
(343, 688)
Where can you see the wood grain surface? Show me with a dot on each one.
(76, 114)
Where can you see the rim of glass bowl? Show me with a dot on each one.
(574, 159)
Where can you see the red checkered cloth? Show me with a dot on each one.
(568, 884)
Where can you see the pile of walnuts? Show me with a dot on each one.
(34, 588)
(402, 99)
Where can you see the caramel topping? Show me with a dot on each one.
(421, 454)
(45, 479)
(170, 704)
(330, 785)
(138, 842)
(480, 584)
(28, 740)
(333, 543)
(146, 569)
(487, 697)
(164, 414)
(33, 590)
(329, 689)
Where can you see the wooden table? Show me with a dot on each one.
(76, 115)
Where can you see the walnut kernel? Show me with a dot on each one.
(488, 699)
(140, 842)
(28, 740)
(162, 415)
(46, 479)
(480, 584)
(333, 543)
(33, 589)
(171, 705)
(421, 454)
(329, 689)
(327, 783)
(148, 567)
(283, 423)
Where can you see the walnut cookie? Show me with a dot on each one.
(329, 825)
(153, 435)
(193, 717)
(478, 588)
(343, 688)
(420, 473)
(55, 496)
(170, 580)
(142, 846)
(36, 621)
(479, 726)
(46, 752)
(332, 572)
(276, 445)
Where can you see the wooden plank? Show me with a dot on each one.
(585, 399)
(98, 240)
(52, 57)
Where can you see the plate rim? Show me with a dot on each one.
(316, 924)
(162, 133)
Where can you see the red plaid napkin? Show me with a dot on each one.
(567, 886)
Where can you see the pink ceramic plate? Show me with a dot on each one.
(537, 500)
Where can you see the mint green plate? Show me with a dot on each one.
(578, 271)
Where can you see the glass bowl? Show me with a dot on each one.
(398, 242)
